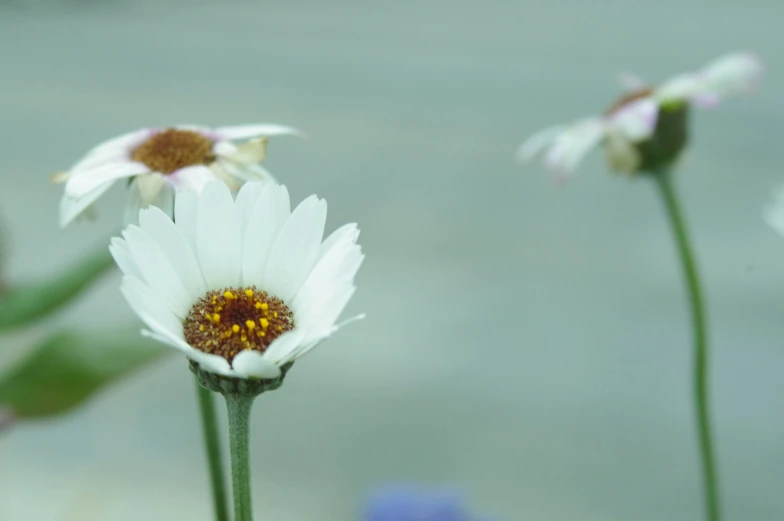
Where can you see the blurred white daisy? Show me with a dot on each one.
(158, 161)
(774, 213)
(241, 287)
(647, 128)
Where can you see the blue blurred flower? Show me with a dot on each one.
(412, 503)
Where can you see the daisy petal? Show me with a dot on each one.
(119, 147)
(245, 172)
(132, 205)
(246, 200)
(249, 131)
(296, 248)
(537, 143)
(332, 276)
(148, 306)
(193, 178)
(186, 210)
(72, 207)
(165, 200)
(270, 213)
(334, 310)
(253, 151)
(280, 351)
(149, 186)
(103, 157)
(84, 181)
(732, 74)
(346, 233)
(123, 258)
(727, 75)
(218, 240)
(325, 330)
(223, 170)
(174, 342)
(304, 349)
(157, 271)
(705, 100)
(260, 173)
(316, 301)
(252, 364)
(680, 88)
(207, 362)
(636, 120)
(175, 247)
(569, 148)
(201, 129)
(212, 363)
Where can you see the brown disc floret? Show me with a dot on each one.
(225, 322)
(172, 149)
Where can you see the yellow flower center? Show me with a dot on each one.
(172, 149)
(225, 322)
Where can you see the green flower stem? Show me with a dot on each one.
(710, 479)
(239, 406)
(212, 444)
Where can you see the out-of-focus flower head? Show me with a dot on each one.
(158, 161)
(243, 288)
(413, 503)
(646, 129)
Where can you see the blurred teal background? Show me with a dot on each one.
(526, 343)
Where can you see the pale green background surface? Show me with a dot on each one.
(525, 343)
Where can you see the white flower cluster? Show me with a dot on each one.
(214, 260)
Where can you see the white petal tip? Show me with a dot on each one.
(355, 318)
(256, 130)
(290, 131)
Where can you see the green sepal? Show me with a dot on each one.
(238, 386)
(670, 137)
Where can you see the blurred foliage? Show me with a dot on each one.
(69, 367)
(3, 252)
(21, 304)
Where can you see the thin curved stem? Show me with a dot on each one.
(700, 375)
(212, 446)
(238, 407)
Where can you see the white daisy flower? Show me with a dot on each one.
(647, 128)
(159, 161)
(241, 287)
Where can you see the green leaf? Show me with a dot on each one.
(69, 367)
(3, 252)
(21, 304)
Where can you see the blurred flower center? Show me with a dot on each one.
(172, 149)
(628, 98)
(225, 322)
